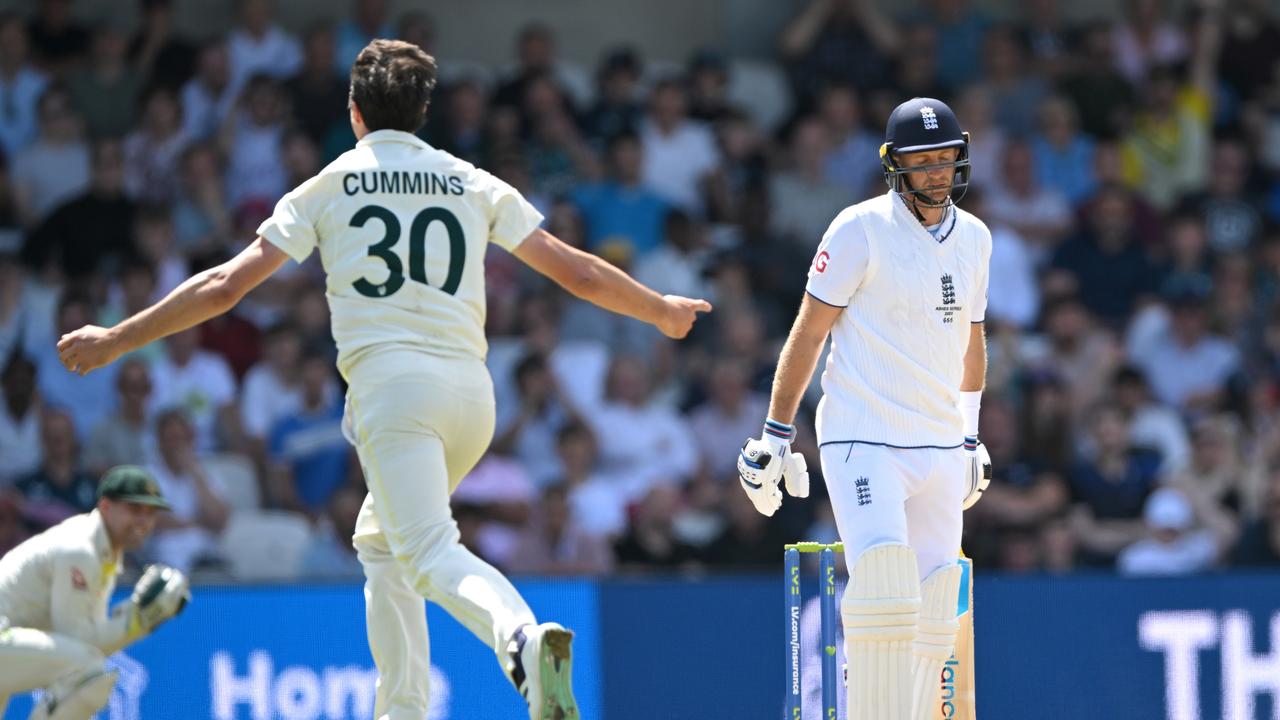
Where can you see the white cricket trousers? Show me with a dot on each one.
(420, 424)
(883, 495)
(34, 660)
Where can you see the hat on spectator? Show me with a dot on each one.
(1168, 509)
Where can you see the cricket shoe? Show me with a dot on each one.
(542, 669)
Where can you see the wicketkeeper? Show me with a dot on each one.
(55, 631)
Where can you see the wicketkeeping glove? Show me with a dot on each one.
(762, 463)
(977, 470)
(161, 593)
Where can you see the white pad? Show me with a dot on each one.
(76, 698)
(880, 609)
(936, 638)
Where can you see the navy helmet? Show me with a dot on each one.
(919, 125)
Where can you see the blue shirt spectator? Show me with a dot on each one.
(621, 208)
(309, 455)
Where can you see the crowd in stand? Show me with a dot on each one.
(1128, 168)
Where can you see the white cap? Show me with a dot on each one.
(1168, 509)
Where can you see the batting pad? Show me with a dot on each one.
(880, 610)
(936, 637)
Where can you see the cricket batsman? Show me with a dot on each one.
(402, 229)
(899, 282)
(55, 631)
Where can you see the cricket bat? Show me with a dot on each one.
(958, 696)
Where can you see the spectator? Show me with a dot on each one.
(55, 168)
(368, 21)
(741, 179)
(634, 431)
(59, 487)
(1049, 38)
(106, 90)
(1232, 215)
(1063, 155)
(185, 537)
(90, 229)
(58, 40)
(154, 244)
(1250, 48)
(748, 540)
(200, 215)
(708, 74)
(26, 304)
(87, 399)
(495, 500)
(1110, 486)
(252, 139)
(1024, 492)
(21, 85)
(1016, 298)
(622, 209)
(318, 93)
(1188, 367)
(678, 265)
(273, 387)
(732, 412)
(651, 542)
(960, 29)
(1039, 215)
(1103, 263)
(1016, 92)
(1077, 351)
(617, 108)
(854, 158)
(310, 460)
(1173, 545)
(463, 132)
(209, 97)
(804, 201)
(678, 152)
(1046, 411)
(19, 420)
(598, 507)
(986, 139)
(554, 544)
(844, 41)
(1218, 474)
(159, 54)
(917, 72)
(418, 28)
(1166, 154)
(126, 437)
(201, 384)
(153, 152)
(331, 555)
(1096, 88)
(537, 57)
(527, 428)
(1147, 39)
(559, 158)
(12, 527)
(1187, 265)
(1259, 544)
(1151, 424)
(258, 46)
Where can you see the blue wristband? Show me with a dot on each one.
(970, 442)
(782, 431)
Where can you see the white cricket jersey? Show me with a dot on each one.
(897, 351)
(402, 230)
(61, 580)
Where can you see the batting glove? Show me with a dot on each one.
(763, 463)
(161, 593)
(977, 470)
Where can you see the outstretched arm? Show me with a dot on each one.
(203, 295)
(598, 282)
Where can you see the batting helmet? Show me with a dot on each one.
(919, 125)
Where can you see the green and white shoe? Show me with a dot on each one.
(543, 671)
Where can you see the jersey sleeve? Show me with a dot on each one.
(840, 263)
(983, 280)
(512, 217)
(292, 226)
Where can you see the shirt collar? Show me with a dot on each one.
(388, 136)
(917, 228)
